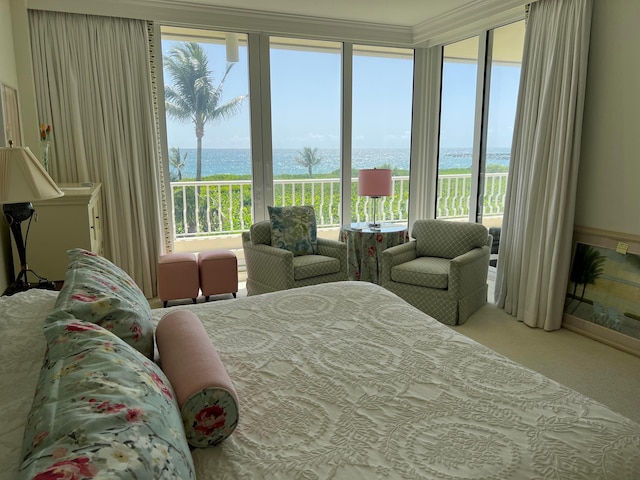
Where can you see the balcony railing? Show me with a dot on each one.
(210, 208)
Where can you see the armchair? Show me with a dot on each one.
(442, 270)
(270, 268)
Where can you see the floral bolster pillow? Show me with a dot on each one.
(205, 393)
(101, 410)
(95, 290)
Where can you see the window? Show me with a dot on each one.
(381, 132)
(305, 116)
(208, 134)
(480, 80)
(309, 137)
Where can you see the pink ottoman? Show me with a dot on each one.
(218, 272)
(178, 277)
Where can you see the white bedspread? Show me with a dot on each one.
(347, 381)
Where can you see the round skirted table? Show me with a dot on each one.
(365, 246)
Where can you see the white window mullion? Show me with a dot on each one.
(261, 145)
(479, 133)
(346, 132)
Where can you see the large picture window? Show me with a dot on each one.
(480, 81)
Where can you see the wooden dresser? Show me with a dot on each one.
(71, 221)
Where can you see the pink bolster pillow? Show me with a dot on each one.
(206, 396)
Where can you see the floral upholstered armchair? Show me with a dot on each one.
(285, 252)
(442, 270)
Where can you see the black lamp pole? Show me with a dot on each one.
(15, 214)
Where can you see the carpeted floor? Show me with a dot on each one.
(607, 375)
(596, 370)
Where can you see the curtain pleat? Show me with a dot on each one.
(93, 85)
(537, 229)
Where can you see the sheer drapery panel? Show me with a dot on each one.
(535, 242)
(93, 85)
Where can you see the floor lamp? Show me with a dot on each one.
(375, 183)
(23, 180)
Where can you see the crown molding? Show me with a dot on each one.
(244, 20)
(453, 25)
(467, 20)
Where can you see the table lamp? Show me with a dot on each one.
(23, 180)
(375, 183)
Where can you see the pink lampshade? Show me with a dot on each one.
(374, 182)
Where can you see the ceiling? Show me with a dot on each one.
(405, 13)
(384, 22)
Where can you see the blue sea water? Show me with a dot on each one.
(238, 161)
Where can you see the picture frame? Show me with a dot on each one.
(9, 116)
(603, 292)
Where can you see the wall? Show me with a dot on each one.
(8, 75)
(609, 180)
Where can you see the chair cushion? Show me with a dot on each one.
(307, 266)
(261, 233)
(294, 229)
(445, 239)
(431, 272)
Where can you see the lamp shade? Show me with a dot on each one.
(375, 182)
(22, 177)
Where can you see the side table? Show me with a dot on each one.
(365, 246)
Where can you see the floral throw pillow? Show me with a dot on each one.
(101, 410)
(294, 229)
(95, 290)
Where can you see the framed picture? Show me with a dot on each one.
(603, 294)
(10, 116)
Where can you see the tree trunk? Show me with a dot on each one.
(199, 158)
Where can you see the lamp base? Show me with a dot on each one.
(374, 226)
(20, 286)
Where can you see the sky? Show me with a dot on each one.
(305, 94)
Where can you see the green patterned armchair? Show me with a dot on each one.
(442, 270)
(270, 268)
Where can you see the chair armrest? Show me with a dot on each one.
(269, 265)
(469, 271)
(332, 248)
(335, 249)
(395, 256)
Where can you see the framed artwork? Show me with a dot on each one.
(603, 294)
(10, 116)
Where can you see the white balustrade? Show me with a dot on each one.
(224, 206)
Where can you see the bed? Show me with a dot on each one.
(346, 380)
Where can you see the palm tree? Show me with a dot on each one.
(588, 266)
(192, 95)
(308, 158)
(176, 162)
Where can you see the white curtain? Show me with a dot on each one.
(424, 135)
(93, 85)
(535, 242)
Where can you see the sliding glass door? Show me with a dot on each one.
(480, 80)
(206, 86)
(381, 128)
(305, 79)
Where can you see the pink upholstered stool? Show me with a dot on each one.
(218, 272)
(178, 277)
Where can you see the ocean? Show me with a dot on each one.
(238, 161)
